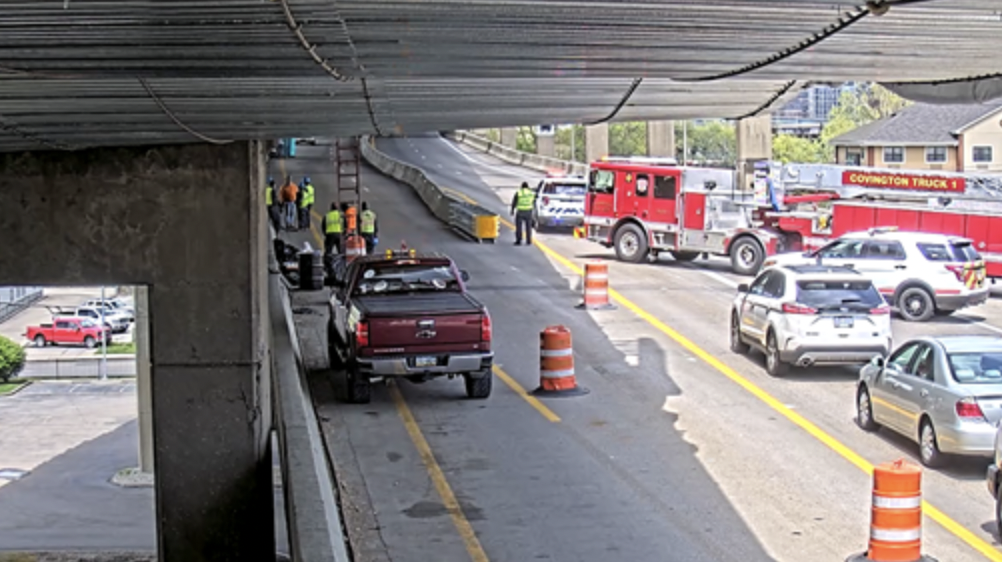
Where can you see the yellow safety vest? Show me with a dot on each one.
(269, 196)
(333, 222)
(311, 194)
(526, 197)
(368, 222)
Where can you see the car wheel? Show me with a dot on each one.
(359, 388)
(90, 342)
(773, 364)
(631, 244)
(479, 387)
(684, 256)
(929, 452)
(864, 411)
(747, 256)
(39, 340)
(737, 344)
(916, 305)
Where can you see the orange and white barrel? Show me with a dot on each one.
(896, 514)
(596, 284)
(556, 360)
(354, 247)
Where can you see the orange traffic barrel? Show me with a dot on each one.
(895, 515)
(354, 247)
(556, 362)
(596, 286)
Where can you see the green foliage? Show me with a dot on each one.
(568, 137)
(788, 148)
(526, 140)
(12, 359)
(119, 349)
(857, 108)
(714, 142)
(628, 139)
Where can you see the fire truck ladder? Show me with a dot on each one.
(347, 170)
(828, 177)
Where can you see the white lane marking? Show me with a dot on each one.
(980, 323)
(505, 170)
(720, 278)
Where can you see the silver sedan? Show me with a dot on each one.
(945, 393)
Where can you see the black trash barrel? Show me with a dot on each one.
(311, 271)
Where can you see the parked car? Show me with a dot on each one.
(945, 393)
(116, 304)
(408, 315)
(560, 201)
(117, 321)
(920, 274)
(63, 331)
(810, 315)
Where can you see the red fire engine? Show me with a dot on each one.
(642, 208)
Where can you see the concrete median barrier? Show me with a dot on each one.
(517, 157)
(471, 220)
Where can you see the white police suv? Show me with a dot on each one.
(560, 201)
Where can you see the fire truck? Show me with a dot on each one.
(642, 208)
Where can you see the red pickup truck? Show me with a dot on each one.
(407, 315)
(67, 331)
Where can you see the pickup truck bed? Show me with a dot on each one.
(420, 304)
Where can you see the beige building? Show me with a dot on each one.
(954, 138)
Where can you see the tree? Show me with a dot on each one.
(526, 140)
(563, 143)
(856, 108)
(710, 142)
(628, 139)
(12, 359)
(788, 148)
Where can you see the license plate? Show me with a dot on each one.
(425, 361)
(843, 322)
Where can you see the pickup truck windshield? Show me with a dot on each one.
(381, 279)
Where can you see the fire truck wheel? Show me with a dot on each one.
(916, 304)
(746, 256)
(684, 256)
(631, 244)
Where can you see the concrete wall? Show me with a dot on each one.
(509, 137)
(187, 221)
(596, 142)
(546, 145)
(661, 138)
(754, 143)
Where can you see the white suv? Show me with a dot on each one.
(810, 314)
(920, 274)
(560, 201)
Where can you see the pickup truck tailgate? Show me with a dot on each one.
(421, 320)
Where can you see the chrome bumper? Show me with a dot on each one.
(404, 365)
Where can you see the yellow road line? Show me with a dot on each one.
(928, 509)
(459, 519)
(532, 400)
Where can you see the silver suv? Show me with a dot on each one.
(810, 314)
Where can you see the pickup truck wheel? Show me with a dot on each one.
(359, 388)
(333, 343)
(39, 340)
(478, 387)
(90, 342)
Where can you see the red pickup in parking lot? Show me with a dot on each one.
(67, 331)
(408, 315)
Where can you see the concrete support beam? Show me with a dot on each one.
(596, 142)
(144, 378)
(661, 138)
(546, 145)
(754, 143)
(142, 216)
(509, 137)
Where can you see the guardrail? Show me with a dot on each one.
(465, 217)
(517, 157)
(79, 368)
(312, 515)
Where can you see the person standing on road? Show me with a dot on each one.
(289, 194)
(333, 226)
(522, 205)
(271, 203)
(369, 228)
(305, 203)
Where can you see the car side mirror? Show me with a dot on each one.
(878, 362)
(464, 275)
(743, 288)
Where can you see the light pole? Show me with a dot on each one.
(574, 129)
(104, 341)
(685, 142)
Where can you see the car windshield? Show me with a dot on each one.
(983, 367)
(87, 324)
(571, 189)
(838, 294)
(403, 277)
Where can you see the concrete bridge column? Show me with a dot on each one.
(596, 142)
(509, 137)
(546, 145)
(754, 143)
(143, 216)
(661, 138)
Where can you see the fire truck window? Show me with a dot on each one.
(884, 250)
(664, 187)
(602, 181)
(642, 183)
(843, 249)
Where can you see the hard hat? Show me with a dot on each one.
(307, 180)
(525, 184)
(271, 179)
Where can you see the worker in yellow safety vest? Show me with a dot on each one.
(522, 205)
(369, 228)
(333, 227)
(306, 203)
(269, 203)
